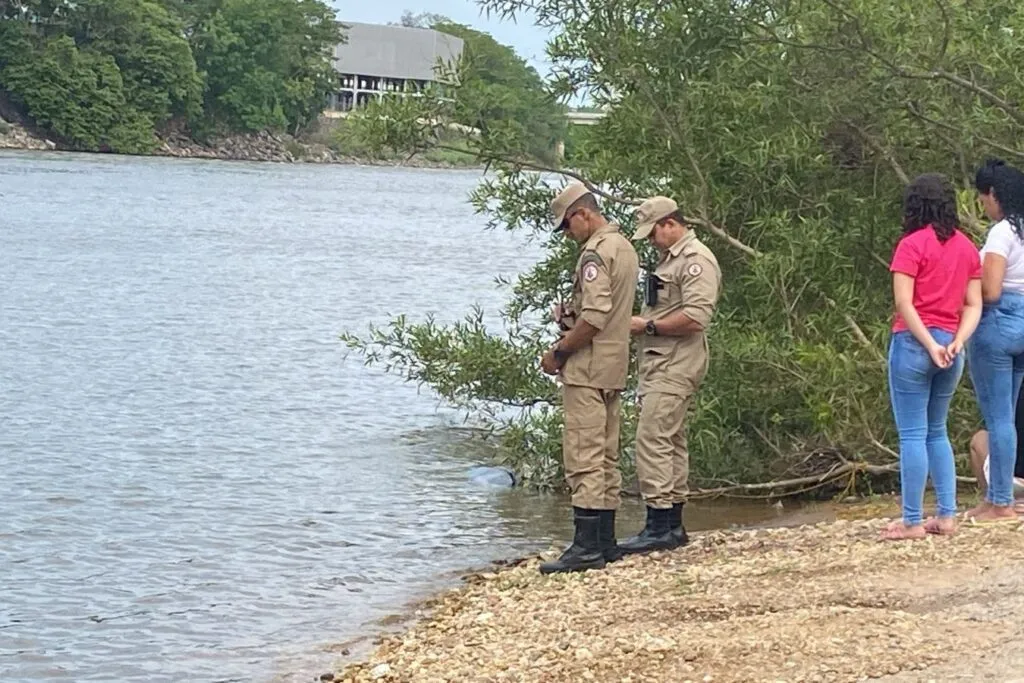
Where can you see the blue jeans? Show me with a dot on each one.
(995, 358)
(921, 392)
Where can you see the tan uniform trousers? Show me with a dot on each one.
(662, 458)
(590, 446)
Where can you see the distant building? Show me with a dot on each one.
(377, 59)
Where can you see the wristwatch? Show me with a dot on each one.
(650, 328)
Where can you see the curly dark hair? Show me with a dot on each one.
(1007, 184)
(929, 200)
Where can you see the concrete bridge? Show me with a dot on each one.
(578, 118)
(585, 118)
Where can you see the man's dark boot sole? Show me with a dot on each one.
(612, 555)
(680, 538)
(557, 567)
(666, 542)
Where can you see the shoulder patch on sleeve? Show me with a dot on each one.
(694, 269)
(590, 271)
(591, 256)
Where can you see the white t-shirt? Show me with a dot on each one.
(1003, 240)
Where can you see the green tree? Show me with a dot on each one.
(268, 63)
(787, 131)
(98, 74)
(192, 12)
(501, 95)
(77, 94)
(422, 20)
(265, 65)
(498, 92)
(152, 54)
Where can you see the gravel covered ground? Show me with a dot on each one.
(827, 602)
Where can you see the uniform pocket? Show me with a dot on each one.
(578, 369)
(652, 359)
(610, 363)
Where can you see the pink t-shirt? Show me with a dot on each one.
(941, 271)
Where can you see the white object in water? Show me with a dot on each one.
(493, 476)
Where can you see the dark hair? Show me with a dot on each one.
(1007, 184)
(930, 200)
(985, 177)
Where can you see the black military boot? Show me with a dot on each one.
(585, 551)
(676, 525)
(657, 534)
(609, 548)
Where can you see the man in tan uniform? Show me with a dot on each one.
(680, 299)
(592, 361)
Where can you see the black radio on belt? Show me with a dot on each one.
(653, 284)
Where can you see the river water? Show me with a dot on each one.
(198, 483)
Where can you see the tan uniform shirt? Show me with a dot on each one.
(691, 280)
(603, 290)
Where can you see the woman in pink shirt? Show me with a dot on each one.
(937, 289)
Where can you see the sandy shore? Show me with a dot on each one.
(827, 602)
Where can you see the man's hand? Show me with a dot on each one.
(556, 312)
(548, 363)
(637, 325)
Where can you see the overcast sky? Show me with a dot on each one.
(524, 37)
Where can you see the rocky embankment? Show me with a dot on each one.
(264, 146)
(828, 602)
(14, 136)
(253, 147)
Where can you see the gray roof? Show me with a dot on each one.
(394, 51)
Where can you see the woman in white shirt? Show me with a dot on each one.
(995, 354)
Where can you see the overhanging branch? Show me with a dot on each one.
(916, 112)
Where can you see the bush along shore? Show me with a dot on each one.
(825, 602)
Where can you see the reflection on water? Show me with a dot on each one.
(198, 483)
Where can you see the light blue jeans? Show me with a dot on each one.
(920, 392)
(995, 359)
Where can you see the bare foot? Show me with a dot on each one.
(981, 508)
(996, 513)
(1018, 507)
(941, 526)
(898, 531)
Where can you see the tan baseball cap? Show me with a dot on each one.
(650, 212)
(566, 198)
